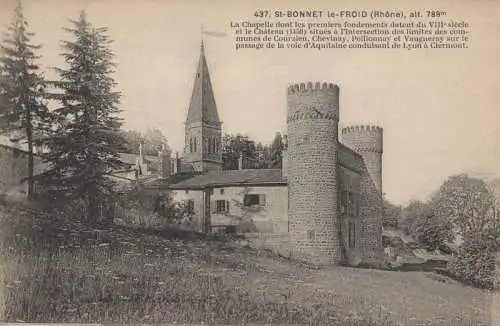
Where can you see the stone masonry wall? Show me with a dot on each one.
(350, 181)
(367, 141)
(312, 123)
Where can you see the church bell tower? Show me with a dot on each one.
(203, 129)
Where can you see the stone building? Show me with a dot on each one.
(324, 206)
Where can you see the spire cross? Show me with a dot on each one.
(201, 32)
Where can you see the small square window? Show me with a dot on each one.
(222, 191)
(187, 191)
(254, 199)
(190, 206)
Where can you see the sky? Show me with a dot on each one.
(438, 108)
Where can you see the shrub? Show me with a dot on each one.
(474, 263)
(432, 231)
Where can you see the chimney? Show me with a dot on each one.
(141, 156)
(284, 158)
(240, 162)
(165, 161)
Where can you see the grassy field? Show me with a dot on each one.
(111, 274)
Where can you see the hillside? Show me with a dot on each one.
(113, 274)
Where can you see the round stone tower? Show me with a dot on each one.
(368, 142)
(312, 123)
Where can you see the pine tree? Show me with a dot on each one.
(22, 106)
(86, 140)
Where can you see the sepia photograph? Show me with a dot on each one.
(249, 162)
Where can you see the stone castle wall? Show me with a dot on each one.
(367, 141)
(312, 122)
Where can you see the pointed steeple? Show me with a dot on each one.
(203, 129)
(202, 107)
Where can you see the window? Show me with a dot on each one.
(353, 204)
(194, 145)
(349, 203)
(222, 191)
(254, 199)
(221, 206)
(344, 204)
(190, 206)
(186, 191)
(352, 235)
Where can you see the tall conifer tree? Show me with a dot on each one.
(85, 144)
(22, 107)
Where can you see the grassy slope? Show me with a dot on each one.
(113, 274)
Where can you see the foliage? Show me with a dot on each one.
(392, 214)
(161, 203)
(411, 213)
(255, 155)
(85, 141)
(274, 153)
(431, 230)
(468, 203)
(233, 146)
(23, 111)
(475, 262)
(109, 274)
(152, 141)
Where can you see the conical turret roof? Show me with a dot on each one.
(202, 107)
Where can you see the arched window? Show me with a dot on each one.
(194, 145)
(214, 145)
(207, 145)
(190, 145)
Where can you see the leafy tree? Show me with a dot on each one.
(392, 213)
(256, 155)
(233, 146)
(274, 153)
(132, 139)
(475, 262)
(152, 141)
(23, 110)
(432, 230)
(471, 206)
(86, 139)
(468, 203)
(411, 213)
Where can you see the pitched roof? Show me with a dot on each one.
(232, 178)
(131, 159)
(202, 106)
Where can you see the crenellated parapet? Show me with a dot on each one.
(313, 101)
(317, 86)
(366, 138)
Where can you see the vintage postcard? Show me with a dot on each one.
(249, 162)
